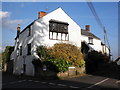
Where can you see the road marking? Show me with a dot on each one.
(43, 82)
(73, 87)
(22, 81)
(14, 82)
(118, 82)
(51, 83)
(61, 85)
(98, 83)
(36, 81)
(30, 80)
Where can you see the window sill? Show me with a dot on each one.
(91, 43)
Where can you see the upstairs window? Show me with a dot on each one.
(17, 52)
(90, 40)
(20, 50)
(29, 30)
(58, 30)
(28, 49)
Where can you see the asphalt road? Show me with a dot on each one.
(86, 82)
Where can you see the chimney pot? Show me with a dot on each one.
(18, 29)
(41, 14)
(87, 27)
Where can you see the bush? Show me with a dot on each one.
(6, 54)
(42, 52)
(95, 60)
(61, 56)
(68, 52)
(60, 65)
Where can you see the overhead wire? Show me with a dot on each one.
(97, 19)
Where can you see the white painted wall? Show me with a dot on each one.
(40, 36)
(96, 44)
(42, 25)
(24, 39)
(41, 30)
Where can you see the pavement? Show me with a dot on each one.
(85, 82)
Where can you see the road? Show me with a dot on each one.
(84, 82)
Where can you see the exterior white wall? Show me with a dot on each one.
(96, 43)
(40, 36)
(41, 29)
(24, 39)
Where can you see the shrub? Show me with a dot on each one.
(68, 52)
(61, 56)
(95, 60)
(60, 65)
(42, 52)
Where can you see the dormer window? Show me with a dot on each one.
(58, 30)
(90, 40)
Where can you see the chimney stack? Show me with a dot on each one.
(87, 27)
(41, 14)
(18, 29)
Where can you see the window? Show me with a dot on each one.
(20, 50)
(58, 30)
(29, 49)
(29, 30)
(17, 52)
(90, 40)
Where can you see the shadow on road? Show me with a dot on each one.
(109, 70)
(48, 83)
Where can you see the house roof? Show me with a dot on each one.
(32, 24)
(89, 34)
(25, 28)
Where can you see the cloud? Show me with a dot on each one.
(4, 14)
(8, 23)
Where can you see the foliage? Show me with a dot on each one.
(97, 56)
(61, 56)
(94, 60)
(67, 52)
(6, 54)
(61, 64)
(0, 60)
(42, 52)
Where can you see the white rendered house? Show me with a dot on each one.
(92, 42)
(48, 29)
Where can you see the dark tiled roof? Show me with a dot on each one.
(89, 34)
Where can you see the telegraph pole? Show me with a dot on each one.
(105, 39)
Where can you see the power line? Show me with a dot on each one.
(98, 21)
(95, 14)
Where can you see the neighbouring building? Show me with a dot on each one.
(90, 42)
(48, 29)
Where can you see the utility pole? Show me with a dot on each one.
(105, 39)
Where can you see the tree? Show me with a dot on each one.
(6, 56)
(0, 61)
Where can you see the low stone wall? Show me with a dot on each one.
(72, 72)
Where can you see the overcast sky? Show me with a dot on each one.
(24, 13)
